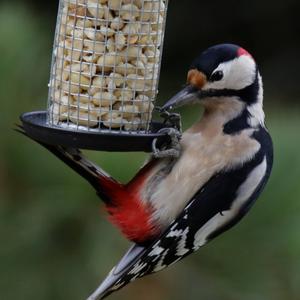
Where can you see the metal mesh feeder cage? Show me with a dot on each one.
(104, 76)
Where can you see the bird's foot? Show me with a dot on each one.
(173, 149)
(171, 119)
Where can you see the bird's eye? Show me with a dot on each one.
(217, 76)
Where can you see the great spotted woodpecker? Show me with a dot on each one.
(174, 206)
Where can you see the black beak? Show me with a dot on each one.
(186, 96)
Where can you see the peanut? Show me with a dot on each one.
(129, 111)
(58, 113)
(133, 125)
(109, 61)
(114, 4)
(117, 24)
(84, 118)
(114, 120)
(95, 9)
(129, 12)
(104, 99)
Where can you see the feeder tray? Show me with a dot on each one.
(36, 126)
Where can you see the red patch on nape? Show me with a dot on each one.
(242, 51)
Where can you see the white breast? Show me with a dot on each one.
(202, 157)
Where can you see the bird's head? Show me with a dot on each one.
(222, 71)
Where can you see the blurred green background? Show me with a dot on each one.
(55, 240)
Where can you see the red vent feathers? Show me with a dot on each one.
(128, 212)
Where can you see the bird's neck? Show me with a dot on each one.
(229, 116)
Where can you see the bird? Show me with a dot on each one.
(175, 205)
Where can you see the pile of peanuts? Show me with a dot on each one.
(106, 63)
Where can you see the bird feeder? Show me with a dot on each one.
(104, 76)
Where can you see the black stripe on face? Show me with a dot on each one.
(248, 94)
(238, 124)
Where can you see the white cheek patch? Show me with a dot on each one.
(238, 74)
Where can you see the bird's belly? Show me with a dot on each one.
(199, 162)
(170, 196)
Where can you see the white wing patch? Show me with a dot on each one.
(160, 266)
(138, 268)
(243, 194)
(181, 248)
(156, 251)
(174, 233)
(208, 228)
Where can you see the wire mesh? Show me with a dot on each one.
(106, 64)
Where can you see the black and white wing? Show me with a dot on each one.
(219, 205)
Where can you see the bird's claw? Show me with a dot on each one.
(172, 123)
(173, 133)
(173, 149)
(171, 119)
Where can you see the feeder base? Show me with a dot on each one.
(36, 127)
